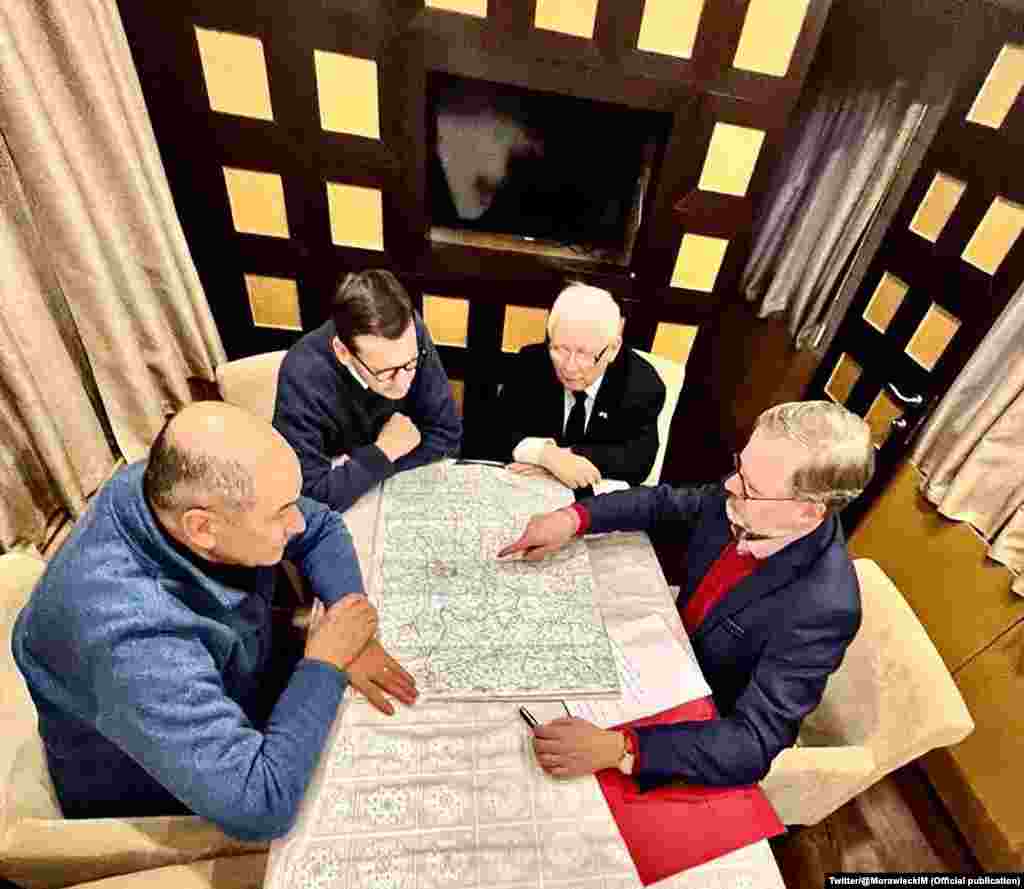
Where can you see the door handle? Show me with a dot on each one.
(916, 400)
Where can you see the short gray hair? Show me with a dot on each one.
(580, 300)
(842, 455)
(177, 479)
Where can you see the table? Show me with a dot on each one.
(448, 794)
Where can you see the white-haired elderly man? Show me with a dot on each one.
(580, 405)
(770, 599)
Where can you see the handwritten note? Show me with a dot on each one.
(656, 673)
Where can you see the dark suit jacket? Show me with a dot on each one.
(766, 648)
(622, 434)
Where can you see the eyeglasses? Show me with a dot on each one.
(583, 359)
(738, 472)
(388, 374)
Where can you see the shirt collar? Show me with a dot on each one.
(355, 376)
(591, 390)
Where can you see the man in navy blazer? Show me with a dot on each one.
(770, 601)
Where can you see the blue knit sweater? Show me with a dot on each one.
(143, 666)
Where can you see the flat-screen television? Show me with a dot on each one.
(525, 167)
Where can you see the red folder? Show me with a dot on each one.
(672, 828)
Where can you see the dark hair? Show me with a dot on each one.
(176, 479)
(371, 303)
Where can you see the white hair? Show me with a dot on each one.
(581, 302)
(842, 455)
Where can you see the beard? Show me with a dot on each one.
(743, 529)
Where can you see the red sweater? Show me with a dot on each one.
(728, 570)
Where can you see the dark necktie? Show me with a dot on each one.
(576, 427)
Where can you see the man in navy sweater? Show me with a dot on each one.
(147, 644)
(364, 395)
(770, 601)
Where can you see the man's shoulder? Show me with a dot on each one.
(830, 585)
(110, 529)
(81, 586)
(311, 381)
(640, 373)
(110, 516)
(840, 567)
(312, 354)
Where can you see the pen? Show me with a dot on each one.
(528, 717)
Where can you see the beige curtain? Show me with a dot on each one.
(53, 451)
(102, 317)
(971, 452)
(842, 161)
(74, 120)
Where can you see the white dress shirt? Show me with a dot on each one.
(358, 378)
(342, 459)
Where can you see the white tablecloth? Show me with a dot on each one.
(448, 794)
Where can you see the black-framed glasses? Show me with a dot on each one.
(583, 359)
(388, 374)
(738, 472)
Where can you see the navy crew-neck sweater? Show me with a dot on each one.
(324, 413)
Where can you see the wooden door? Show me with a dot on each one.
(297, 143)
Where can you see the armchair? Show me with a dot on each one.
(891, 701)
(39, 848)
(251, 383)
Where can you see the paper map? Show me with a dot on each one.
(467, 626)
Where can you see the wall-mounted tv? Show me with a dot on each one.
(518, 169)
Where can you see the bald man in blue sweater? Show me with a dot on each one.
(147, 645)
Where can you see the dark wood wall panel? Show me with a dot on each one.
(408, 41)
(403, 112)
(779, 92)
(655, 253)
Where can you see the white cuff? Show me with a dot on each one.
(530, 449)
(608, 485)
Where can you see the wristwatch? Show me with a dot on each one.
(628, 754)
